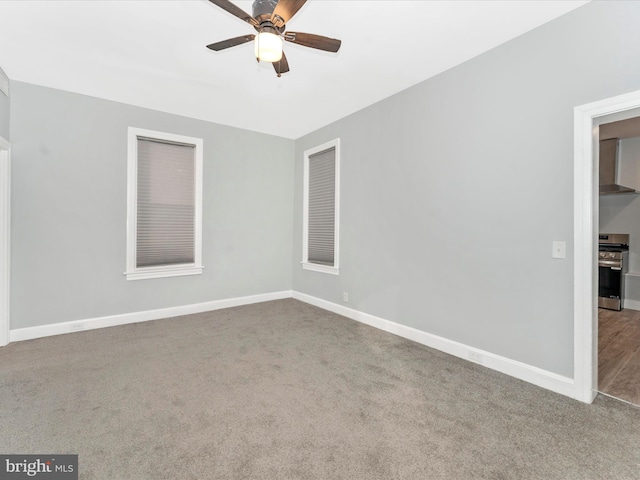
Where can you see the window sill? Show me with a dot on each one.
(320, 268)
(163, 272)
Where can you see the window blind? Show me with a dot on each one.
(322, 207)
(165, 230)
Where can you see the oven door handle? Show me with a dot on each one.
(612, 264)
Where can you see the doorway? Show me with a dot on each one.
(5, 199)
(587, 119)
(619, 330)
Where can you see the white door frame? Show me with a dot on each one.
(585, 211)
(5, 238)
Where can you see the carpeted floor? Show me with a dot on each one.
(284, 390)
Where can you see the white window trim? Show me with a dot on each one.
(4, 83)
(335, 269)
(195, 268)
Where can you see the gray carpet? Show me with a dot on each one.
(284, 390)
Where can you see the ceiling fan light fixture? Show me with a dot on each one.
(270, 19)
(268, 47)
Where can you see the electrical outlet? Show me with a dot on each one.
(559, 249)
(76, 327)
(345, 297)
(475, 357)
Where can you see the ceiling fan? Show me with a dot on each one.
(269, 19)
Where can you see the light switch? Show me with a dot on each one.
(559, 250)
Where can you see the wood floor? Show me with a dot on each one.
(619, 354)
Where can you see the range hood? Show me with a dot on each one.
(609, 169)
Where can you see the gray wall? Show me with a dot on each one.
(621, 214)
(4, 114)
(453, 190)
(69, 210)
(629, 162)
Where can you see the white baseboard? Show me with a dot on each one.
(537, 376)
(528, 373)
(631, 304)
(113, 320)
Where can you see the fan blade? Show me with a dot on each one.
(231, 42)
(313, 41)
(285, 9)
(281, 66)
(234, 10)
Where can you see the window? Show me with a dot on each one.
(164, 216)
(321, 208)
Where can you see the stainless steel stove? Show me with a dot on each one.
(613, 251)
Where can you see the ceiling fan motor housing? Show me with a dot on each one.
(262, 9)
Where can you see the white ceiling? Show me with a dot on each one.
(152, 53)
